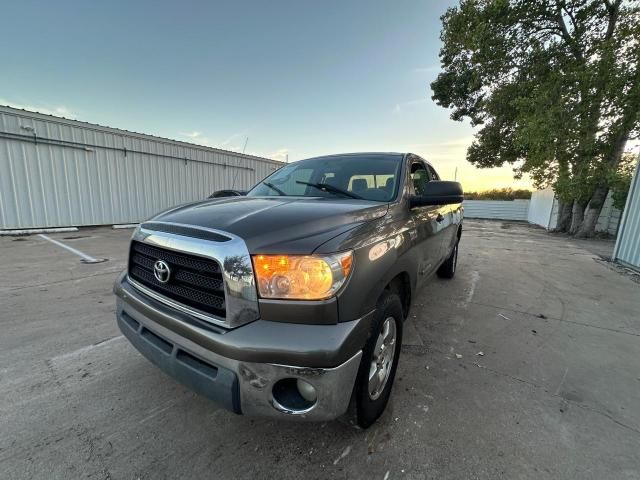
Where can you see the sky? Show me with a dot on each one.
(291, 79)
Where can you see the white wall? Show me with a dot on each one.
(496, 209)
(609, 218)
(541, 207)
(543, 211)
(607, 221)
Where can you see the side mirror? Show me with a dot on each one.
(438, 192)
(227, 193)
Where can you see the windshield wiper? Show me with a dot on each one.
(273, 187)
(325, 187)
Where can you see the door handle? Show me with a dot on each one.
(439, 218)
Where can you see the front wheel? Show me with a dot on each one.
(379, 361)
(448, 268)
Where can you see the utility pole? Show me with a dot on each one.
(245, 144)
(455, 175)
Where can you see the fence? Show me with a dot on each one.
(543, 211)
(497, 209)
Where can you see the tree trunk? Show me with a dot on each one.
(564, 206)
(620, 137)
(592, 213)
(564, 216)
(577, 216)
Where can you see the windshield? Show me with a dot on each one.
(366, 177)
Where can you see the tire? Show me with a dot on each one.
(448, 268)
(371, 397)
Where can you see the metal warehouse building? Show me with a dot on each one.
(56, 172)
(627, 249)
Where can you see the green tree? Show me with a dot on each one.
(554, 87)
(620, 179)
(499, 194)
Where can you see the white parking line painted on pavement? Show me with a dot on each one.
(126, 225)
(104, 343)
(85, 258)
(475, 276)
(31, 231)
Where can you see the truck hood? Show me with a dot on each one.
(294, 225)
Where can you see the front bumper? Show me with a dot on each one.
(238, 368)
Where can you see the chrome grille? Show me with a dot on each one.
(194, 281)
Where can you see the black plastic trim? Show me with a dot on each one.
(314, 312)
(186, 231)
(260, 341)
(212, 381)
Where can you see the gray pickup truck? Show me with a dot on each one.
(289, 301)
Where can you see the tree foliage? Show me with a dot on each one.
(499, 194)
(620, 179)
(552, 85)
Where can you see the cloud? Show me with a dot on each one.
(449, 159)
(447, 144)
(430, 69)
(282, 155)
(232, 139)
(233, 143)
(56, 111)
(197, 137)
(399, 107)
(448, 152)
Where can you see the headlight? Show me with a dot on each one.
(301, 277)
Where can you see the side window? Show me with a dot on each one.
(419, 177)
(434, 174)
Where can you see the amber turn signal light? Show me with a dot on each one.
(301, 277)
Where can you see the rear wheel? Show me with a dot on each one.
(379, 361)
(448, 268)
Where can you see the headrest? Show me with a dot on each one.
(359, 185)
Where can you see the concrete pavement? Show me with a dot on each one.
(555, 393)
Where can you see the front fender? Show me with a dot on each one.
(372, 272)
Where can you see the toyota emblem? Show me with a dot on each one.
(161, 271)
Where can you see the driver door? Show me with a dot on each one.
(425, 222)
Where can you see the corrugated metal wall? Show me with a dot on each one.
(627, 249)
(56, 172)
(497, 209)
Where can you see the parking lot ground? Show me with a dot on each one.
(555, 393)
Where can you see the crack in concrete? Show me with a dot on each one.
(56, 282)
(556, 319)
(82, 432)
(535, 385)
(572, 402)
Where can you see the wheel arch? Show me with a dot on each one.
(401, 285)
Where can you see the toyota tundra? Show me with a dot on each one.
(289, 301)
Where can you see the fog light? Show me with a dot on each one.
(294, 396)
(307, 391)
